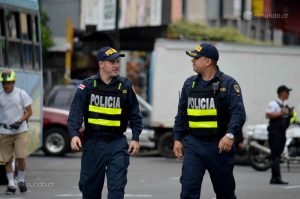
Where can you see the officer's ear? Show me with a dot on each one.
(208, 61)
(100, 64)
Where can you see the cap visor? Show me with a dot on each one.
(114, 56)
(192, 54)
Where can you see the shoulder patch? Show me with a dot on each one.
(122, 79)
(81, 86)
(222, 89)
(237, 89)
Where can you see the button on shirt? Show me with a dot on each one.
(78, 107)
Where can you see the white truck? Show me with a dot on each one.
(258, 69)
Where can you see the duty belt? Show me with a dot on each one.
(106, 138)
(211, 138)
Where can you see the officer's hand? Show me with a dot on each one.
(177, 149)
(284, 111)
(76, 143)
(134, 147)
(225, 144)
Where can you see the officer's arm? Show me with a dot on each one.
(274, 115)
(134, 114)
(236, 109)
(76, 113)
(180, 118)
(271, 112)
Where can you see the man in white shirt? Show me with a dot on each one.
(15, 109)
(279, 114)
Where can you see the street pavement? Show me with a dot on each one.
(149, 176)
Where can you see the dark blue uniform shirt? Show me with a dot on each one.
(231, 93)
(78, 109)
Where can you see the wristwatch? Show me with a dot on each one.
(230, 136)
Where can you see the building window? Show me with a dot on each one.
(262, 35)
(2, 41)
(13, 22)
(19, 39)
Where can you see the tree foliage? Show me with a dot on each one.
(47, 40)
(200, 32)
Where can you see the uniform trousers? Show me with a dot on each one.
(201, 154)
(102, 156)
(277, 141)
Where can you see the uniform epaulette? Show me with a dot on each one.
(94, 77)
(194, 77)
(224, 76)
(122, 79)
(190, 80)
(87, 81)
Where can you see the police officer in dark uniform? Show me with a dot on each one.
(210, 115)
(279, 114)
(106, 103)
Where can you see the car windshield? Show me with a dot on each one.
(61, 97)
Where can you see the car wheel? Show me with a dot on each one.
(56, 142)
(259, 160)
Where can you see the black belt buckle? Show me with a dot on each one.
(210, 138)
(107, 139)
(206, 138)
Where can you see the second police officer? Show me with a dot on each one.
(210, 115)
(279, 114)
(106, 103)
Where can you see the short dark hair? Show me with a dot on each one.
(283, 88)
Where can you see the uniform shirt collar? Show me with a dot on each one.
(113, 81)
(215, 78)
(281, 102)
(218, 74)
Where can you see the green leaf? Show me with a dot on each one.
(199, 32)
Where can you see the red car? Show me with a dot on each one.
(56, 140)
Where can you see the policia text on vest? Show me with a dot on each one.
(105, 101)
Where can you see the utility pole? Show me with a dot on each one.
(272, 20)
(117, 32)
(68, 56)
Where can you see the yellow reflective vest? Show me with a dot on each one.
(106, 110)
(202, 113)
(294, 119)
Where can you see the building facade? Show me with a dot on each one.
(140, 22)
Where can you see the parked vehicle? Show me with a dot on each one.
(60, 96)
(258, 79)
(56, 141)
(258, 69)
(259, 152)
(56, 111)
